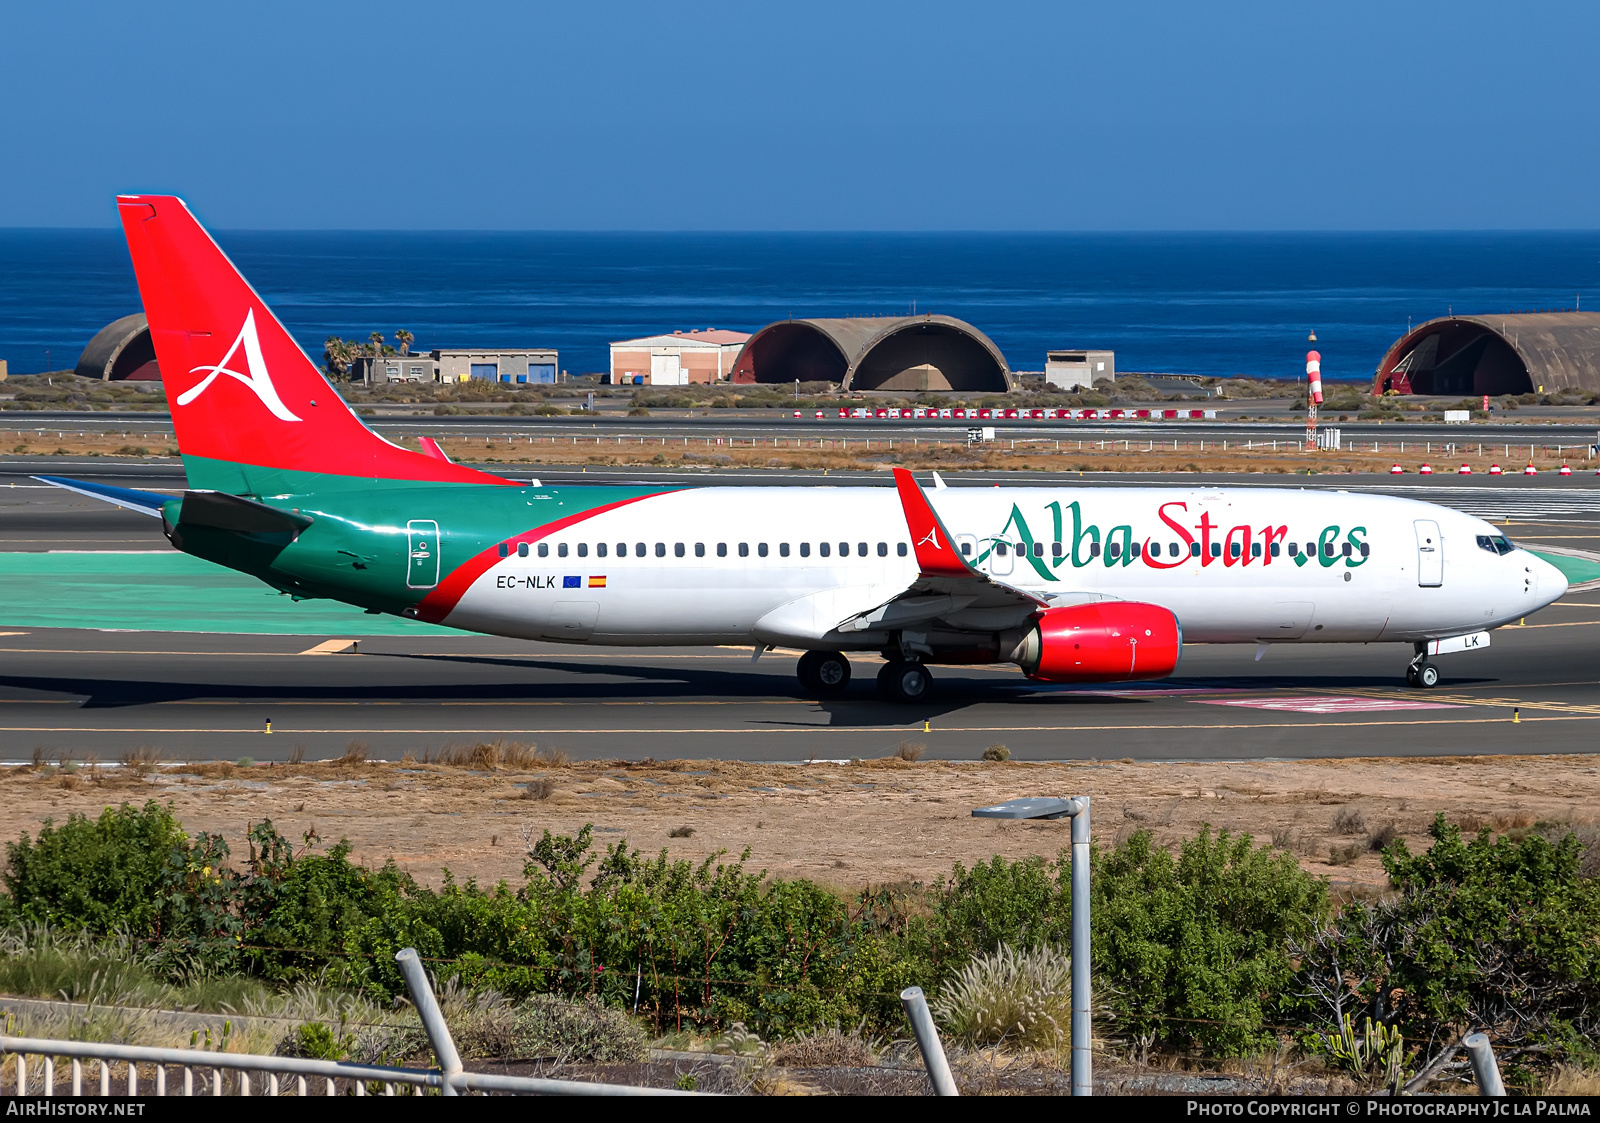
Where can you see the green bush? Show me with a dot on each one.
(1193, 949)
(1488, 934)
(98, 874)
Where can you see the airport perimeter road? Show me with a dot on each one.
(210, 696)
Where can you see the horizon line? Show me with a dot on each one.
(896, 231)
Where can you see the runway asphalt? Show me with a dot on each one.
(1573, 431)
(197, 695)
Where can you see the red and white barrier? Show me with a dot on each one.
(1464, 470)
(1425, 470)
(1397, 471)
(1496, 470)
(1565, 471)
(1530, 470)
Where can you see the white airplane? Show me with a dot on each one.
(1071, 584)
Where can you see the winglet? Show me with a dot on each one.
(430, 447)
(936, 552)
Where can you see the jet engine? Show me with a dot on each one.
(1108, 641)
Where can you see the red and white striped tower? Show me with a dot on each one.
(1314, 379)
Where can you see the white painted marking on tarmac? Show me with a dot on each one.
(1324, 705)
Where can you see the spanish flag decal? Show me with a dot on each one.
(597, 582)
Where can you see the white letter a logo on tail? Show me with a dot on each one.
(258, 381)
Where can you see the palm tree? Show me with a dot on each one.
(337, 355)
(376, 342)
(406, 339)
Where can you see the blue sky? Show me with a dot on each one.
(816, 116)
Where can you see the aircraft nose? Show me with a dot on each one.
(1549, 583)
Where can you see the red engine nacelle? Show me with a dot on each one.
(1110, 641)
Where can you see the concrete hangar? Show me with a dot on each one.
(904, 353)
(1514, 353)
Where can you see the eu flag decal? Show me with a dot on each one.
(572, 582)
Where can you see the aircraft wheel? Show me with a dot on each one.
(824, 673)
(1427, 676)
(1411, 676)
(902, 681)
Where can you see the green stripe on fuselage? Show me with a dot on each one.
(358, 548)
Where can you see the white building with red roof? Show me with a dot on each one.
(678, 359)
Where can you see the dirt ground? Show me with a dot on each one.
(843, 824)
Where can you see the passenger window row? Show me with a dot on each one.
(1174, 549)
(680, 549)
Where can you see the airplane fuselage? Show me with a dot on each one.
(787, 565)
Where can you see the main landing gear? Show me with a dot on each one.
(901, 680)
(1422, 673)
(824, 673)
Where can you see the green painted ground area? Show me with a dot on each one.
(169, 593)
(1577, 570)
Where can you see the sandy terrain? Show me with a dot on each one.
(844, 824)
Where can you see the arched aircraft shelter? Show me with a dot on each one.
(1514, 353)
(907, 353)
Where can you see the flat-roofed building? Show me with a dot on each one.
(394, 368)
(508, 366)
(1073, 370)
(678, 359)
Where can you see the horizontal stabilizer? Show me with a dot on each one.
(221, 511)
(145, 502)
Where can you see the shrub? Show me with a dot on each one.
(1487, 934)
(1017, 997)
(98, 874)
(1193, 949)
(997, 754)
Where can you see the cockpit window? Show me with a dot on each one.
(1495, 543)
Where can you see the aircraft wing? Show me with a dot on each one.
(947, 585)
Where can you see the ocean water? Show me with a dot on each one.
(1213, 304)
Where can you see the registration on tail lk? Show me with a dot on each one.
(1072, 585)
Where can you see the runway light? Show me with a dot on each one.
(1516, 716)
(925, 725)
(269, 725)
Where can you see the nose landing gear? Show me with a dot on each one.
(1422, 673)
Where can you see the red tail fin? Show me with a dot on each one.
(240, 389)
(936, 550)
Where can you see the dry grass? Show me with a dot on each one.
(542, 788)
(997, 754)
(140, 759)
(1381, 838)
(909, 751)
(355, 752)
(829, 1047)
(1573, 1082)
(1349, 820)
(681, 832)
(491, 756)
(1343, 855)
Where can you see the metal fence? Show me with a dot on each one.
(101, 1068)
